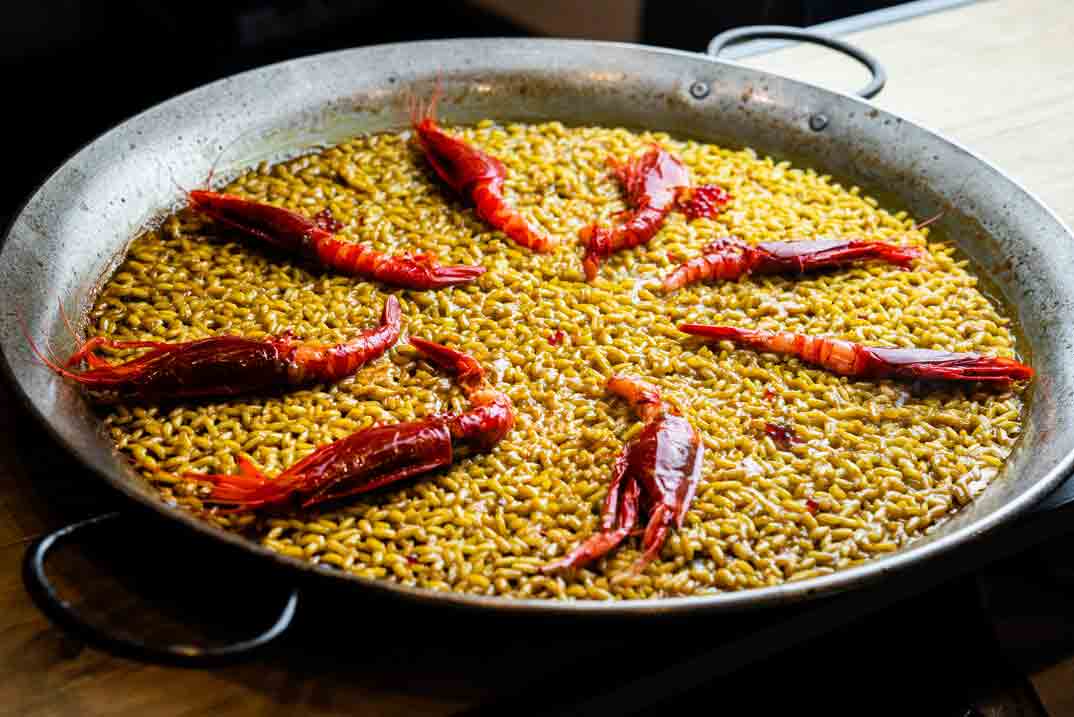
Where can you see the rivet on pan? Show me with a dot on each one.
(818, 122)
(699, 90)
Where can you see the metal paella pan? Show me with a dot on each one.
(74, 229)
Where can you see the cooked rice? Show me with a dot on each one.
(880, 464)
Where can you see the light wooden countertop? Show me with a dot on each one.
(997, 76)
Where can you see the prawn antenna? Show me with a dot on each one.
(224, 150)
(49, 360)
(67, 323)
(438, 92)
(930, 220)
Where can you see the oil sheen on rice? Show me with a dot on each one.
(876, 465)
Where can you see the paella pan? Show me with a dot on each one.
(806, 481)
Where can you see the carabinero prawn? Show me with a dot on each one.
(380, 455)
(847, 358)
(655, 183)
(221, 365)
(729, 258)
(316, 239)
(475, 175)
(658, 470)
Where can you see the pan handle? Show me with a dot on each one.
(783, 32)
(62, 613)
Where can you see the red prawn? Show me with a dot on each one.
(655, 182)
(847, 358)
(380, 455)
(316, 239)
(660, 468)
(728, 258)
(221, 365)
(475, 175)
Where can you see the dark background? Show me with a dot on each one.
(73, 69)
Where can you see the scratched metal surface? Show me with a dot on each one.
(75, 227)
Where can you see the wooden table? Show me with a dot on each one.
(994, 75)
